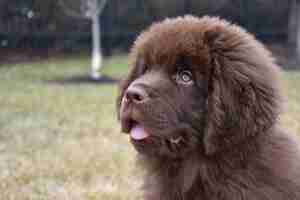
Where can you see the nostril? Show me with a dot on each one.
(136, 95)
(133, 96)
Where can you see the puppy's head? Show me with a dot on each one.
(197, 84)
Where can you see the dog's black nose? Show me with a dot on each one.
(136, 94)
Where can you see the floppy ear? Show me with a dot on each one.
(243, 100)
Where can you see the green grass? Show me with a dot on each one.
(63, 141)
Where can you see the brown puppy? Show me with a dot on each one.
(201, 105)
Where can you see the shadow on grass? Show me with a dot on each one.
(84, 79)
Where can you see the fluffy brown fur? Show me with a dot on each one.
(214, 137)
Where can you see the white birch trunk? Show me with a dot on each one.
(90, 9)
(96, 48)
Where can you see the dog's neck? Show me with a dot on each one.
(168, 179)
(172, 179)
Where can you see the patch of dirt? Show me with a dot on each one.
(84, 79)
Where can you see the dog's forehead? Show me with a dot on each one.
(171, 61)
(168, 45)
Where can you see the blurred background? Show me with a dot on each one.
(60, 62)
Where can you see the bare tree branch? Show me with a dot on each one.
(95, 7)
(101, 6)
(87, 8)
(69, 11)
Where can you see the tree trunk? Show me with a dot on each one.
(96, 52)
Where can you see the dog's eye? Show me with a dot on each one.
(184, 77)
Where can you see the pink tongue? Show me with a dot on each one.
(138, 132)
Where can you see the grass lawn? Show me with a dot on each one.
(62, 141)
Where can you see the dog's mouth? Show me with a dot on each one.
(138, 132)
(147, 141)
(135, 129)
